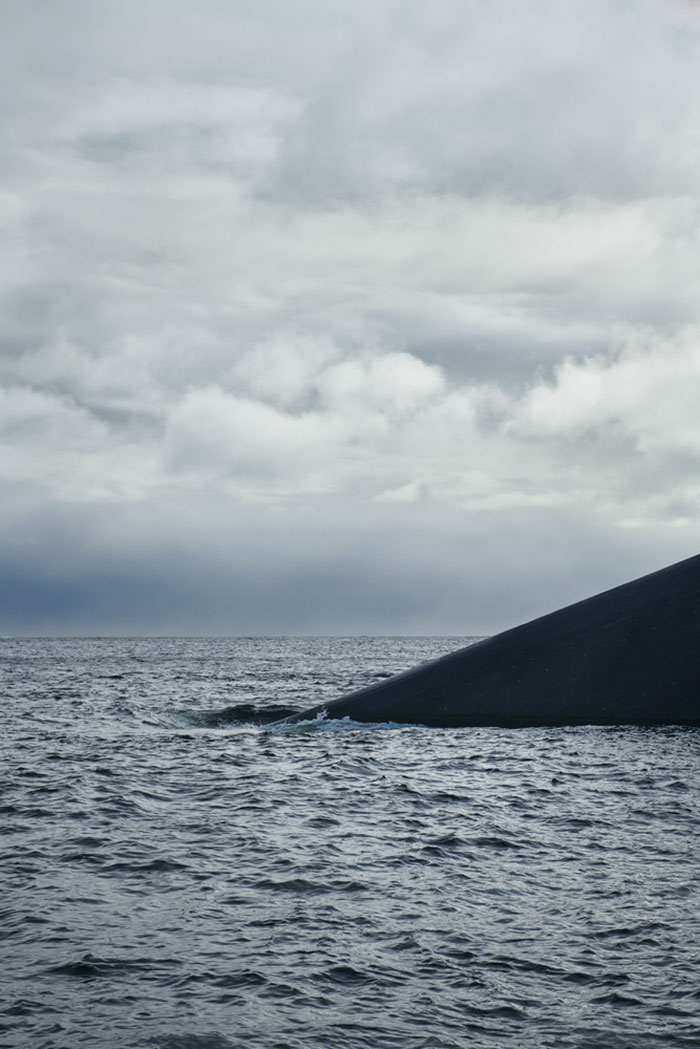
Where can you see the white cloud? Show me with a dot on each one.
(284, 368)
(648, 392)
(211, 429)
(41, 419)
(167, 126)
(394, 269)
(390, 386)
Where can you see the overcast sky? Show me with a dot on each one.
(344, 316)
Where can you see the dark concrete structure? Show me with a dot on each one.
(629, 656)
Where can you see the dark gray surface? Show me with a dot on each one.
(628, 656)
(175, 877)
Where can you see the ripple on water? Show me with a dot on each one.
(176, 875)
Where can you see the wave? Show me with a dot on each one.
(322, 723)
(239, 714)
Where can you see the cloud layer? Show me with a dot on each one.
(319, 318)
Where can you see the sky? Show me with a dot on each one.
(331, 317)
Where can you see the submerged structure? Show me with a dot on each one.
(628, 656)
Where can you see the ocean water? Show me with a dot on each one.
(177, 873)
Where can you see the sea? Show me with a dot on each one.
(180, 872)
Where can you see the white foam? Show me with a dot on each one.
(322, 723)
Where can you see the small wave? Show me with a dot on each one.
(81, 857)
(291, 885)
(494, 842)
(443, 845)
(447, 839)
(511, 963)
(79, 970)
(499, 1012)
(191, 1041)
(26, 1007)
(241, 979)
(615, 999)
(344, 974)
(623, 931)
(238, 714)
(156, 865)
(90, 968)
(303, 885)
(322, 723)
(322, 821)
(224, 981)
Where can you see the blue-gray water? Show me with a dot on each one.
(176, 876)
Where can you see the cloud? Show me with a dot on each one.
(531, 102)
(646, 393)
(210, 428)
(392, 298)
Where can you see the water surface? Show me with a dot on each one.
(177, 873)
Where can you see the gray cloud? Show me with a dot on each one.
(317, 319)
